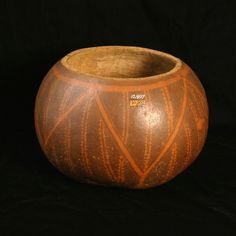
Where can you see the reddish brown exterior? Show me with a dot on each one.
(90, 131)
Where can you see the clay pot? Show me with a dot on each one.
(121, 116)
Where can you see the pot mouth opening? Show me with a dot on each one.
(121, 62)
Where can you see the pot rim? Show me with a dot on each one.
(178, 63)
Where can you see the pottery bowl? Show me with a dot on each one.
(121, 116)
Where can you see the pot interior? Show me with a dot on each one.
(120, 62)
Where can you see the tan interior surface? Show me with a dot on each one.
(120, 62)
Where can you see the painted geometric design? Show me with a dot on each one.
(90, 132)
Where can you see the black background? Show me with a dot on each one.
(35, 199)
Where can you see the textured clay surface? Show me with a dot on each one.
(121, 116)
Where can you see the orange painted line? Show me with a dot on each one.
(83, 132)
(68, 143)
(126, 104)
(170, 107)
(167, 110)
(195, 117)
(124, 134)
(63, 116)
(121, 169)
(123, 115)
(85, 136)
(83, 162)
(103, 147)
(199, 96)
(67, 146)
(202, 96)
(113, 88)
(195, 97)
(117, 138)
(107, 162)
(45, 115)
(170, 164)
(187, 145)
(172, 137)
(148, 135)
(65, 98)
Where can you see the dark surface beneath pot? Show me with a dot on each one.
(36, 199)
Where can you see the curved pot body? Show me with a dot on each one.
(121, 116)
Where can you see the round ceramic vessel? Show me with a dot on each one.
(121, 116)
